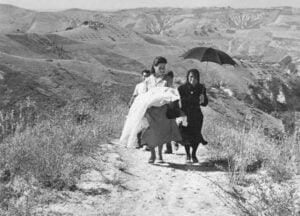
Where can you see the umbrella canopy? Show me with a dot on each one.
(209, 54)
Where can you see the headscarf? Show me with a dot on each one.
(196, 73)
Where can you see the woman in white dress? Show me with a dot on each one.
(148, 114)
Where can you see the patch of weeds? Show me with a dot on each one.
(54, 150)
(249, 150)
(263, 197)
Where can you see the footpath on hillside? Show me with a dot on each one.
(129, 186)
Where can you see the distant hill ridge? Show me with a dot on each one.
(161, 20)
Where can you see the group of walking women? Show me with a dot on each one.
(155, 106)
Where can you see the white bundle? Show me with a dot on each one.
(135, 121)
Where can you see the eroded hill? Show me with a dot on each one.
(73, 54)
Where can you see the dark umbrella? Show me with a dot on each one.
(209, 54)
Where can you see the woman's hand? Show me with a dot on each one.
(201, 98)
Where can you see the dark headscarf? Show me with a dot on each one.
(158, 60)
(190, 94)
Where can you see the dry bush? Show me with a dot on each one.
(247, 150)
(242, 150)
(17, 119)
(54, 148)
(17, 200)
(263, 197)
(285, 160)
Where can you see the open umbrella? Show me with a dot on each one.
(209, 54)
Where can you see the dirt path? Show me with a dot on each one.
(172, 188)
(138, 189)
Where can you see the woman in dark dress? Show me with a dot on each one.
(161, 129)
(192, 94)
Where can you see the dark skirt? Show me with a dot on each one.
(191, 134)
(161, 129)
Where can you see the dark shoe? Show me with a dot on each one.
(204, 142)
(151, 160)
(195, 159)
(188, 160)
(160, 161)
(146, 148)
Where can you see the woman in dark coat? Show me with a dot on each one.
(192, 94)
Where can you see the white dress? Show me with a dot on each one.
(140, 88)
(135, 121)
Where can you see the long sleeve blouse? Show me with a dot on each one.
(190, 96)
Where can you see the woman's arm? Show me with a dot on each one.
(204, 101)
(131, 100)
(183, 96)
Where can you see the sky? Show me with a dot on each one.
(125, 4)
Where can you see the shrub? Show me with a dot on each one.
(263, 198)
(53, 150)
(69, 28)
(246, 149)
(268, 192)
(22, 116)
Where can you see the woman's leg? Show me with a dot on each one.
(187, 151)
(153, 156)
(203, 141)
(168, 148)
(160, 147)
(139, 138)
(194, 152)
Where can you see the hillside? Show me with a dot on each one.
(65, 81)
(52, 83)
(234, 30)
(238, 31)
(97, 48)
(14, 19)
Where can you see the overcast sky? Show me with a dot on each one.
(123, 4)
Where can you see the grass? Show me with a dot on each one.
(49, 151)
(247, 149)
(263, 197)
(17, 119)
(52, 148)
(260, 168)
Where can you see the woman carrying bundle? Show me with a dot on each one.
(161, 129)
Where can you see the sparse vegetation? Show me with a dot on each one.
(263, 197)
(52, 151)
(260, 168)
(246, 148)
(52, 45)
